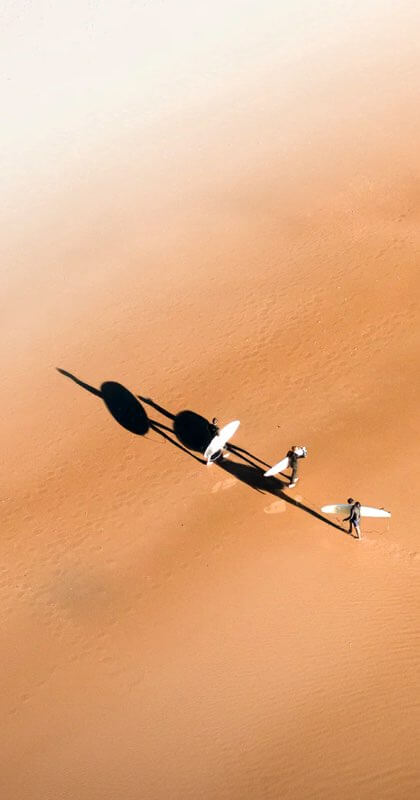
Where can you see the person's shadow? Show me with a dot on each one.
(254, 476)
(194, 432)
(191, 429)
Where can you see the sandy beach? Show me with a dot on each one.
(214, 211)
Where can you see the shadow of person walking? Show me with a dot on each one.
(253, 476)
(126, 409)
(194, 432)
(121, 404)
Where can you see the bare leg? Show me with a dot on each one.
(294, 478)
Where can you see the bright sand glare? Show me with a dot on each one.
(74, 75)
(215, 205)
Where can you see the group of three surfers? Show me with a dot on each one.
(294, 454)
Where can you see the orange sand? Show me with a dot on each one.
(176, 631)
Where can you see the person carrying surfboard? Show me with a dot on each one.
(217, 447)
(354, 517)
(293, 455)
(214, 427)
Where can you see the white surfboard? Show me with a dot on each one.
(365, 511)
(279, 467)
(219, 441)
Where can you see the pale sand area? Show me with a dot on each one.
(176, 631)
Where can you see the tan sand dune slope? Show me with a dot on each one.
(224, 220)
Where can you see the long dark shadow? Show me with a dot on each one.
(162, 426)
(121, 404)
(201, 439)
(244, 458)
(155, 426)
(253, 476)
(191, 429)
(193, 432)
(239, 450)
(154, 405)
(79, 382)
(127, 411)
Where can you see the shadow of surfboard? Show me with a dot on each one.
(194, 432)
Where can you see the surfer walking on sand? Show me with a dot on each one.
(213, 427)
(293, 455)
(354, 517)
(214, 432)
(217, 446)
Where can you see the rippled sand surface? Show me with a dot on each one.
(218, 212)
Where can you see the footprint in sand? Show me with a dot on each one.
(222, 485)
(280, 505)
(276, 507)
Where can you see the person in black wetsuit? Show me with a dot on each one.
(214, 430)
(294, 453)
(213, 427)
(354, 517)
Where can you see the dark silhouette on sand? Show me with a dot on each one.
(193, 432)
(128, 412)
